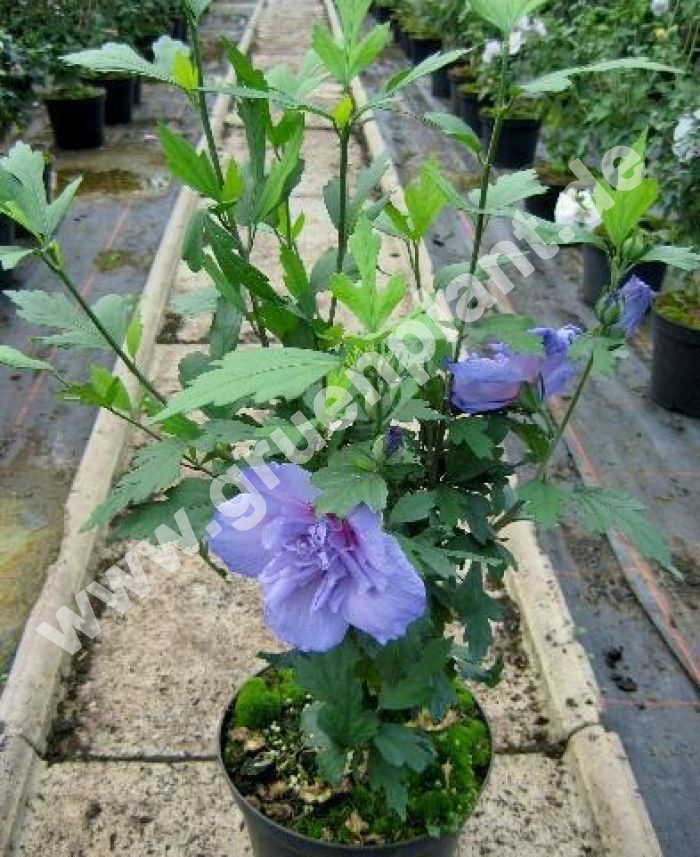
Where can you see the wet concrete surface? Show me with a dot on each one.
(621, 440)
(109, 237)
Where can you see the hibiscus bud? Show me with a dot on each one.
(609, 309)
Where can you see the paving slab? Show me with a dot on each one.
(530, 808)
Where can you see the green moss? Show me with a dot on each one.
(257, 705)
(261, 699)
(680, 308)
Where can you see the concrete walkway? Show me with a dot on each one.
(130, 767)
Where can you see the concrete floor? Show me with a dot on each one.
(110, 237)
(650, 698)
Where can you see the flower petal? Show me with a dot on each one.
(289, 611)
(386, 613)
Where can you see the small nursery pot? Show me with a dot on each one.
(421, 49)
(440, 83)
(270, 839)
(179, 30)
(675, 366)
(468, 106)
(518, 143)
(381, 13)
(596, 274)
(138, 91)
(7, 238)
(77, 123)
(119, 102)
(545, 204)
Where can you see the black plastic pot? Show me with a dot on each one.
(596, 274)
(440, 83)
(382, 13)
(179, 30)
(138, 91)
(675, 366)
(518, 144)
(544, 205)
(270, 839)
(468, 106)
(421, 49)
(144, 46)
(7, 239)
(77, 123)
(119, 106)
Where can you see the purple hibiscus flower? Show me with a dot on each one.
(636, 297)
(319, 575)
(481, 384)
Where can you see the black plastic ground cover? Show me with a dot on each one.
(639, 628)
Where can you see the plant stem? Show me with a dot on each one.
(345, 134)
(114, 345)
(416, 268)
(585, 375)
(501, 109)
(202, 99)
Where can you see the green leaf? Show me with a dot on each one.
(284, 173)
(155, 468)
(417, 688)
(424, 201)
(605, 350)
(455, 128)
(559, 81)
(508, 189)
(369, 49)
(413, 507)
(513, 330)
(114, 57)
(330, 758)
(330, 53)
(601, 510)
(191, 167)
(629, 208)
(405, 78)
(390, 780)
(262, 374)
(416, 409)
(55, 310)
(200, 301)
(477, 610)
(16, 360)
(23, 195)
(504, 14)
(474, 433)
(404, 747)
(543, 502)
(679, 257)
(11, 256)
(197, 7)
(432, 560)
(142, 521)
(350, 478)
(371, 303)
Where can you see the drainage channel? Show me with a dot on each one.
(639, 628)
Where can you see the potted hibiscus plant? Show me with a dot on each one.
(354, 461)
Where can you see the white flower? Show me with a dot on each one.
(577, 208)
(515, 43)
(660, 7)
(492, 49)
(686, 137)
(539, 27)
